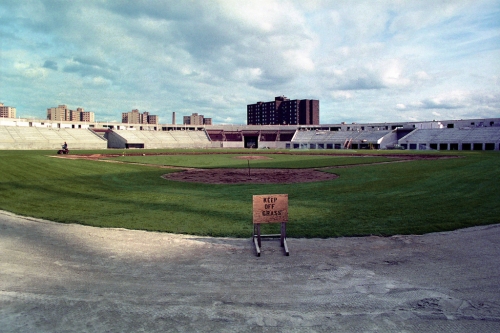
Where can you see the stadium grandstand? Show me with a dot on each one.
(158, 139)
(486, 138)
(469, 134)
(320, 139)
(26, 138)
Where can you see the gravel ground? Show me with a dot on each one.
(72, 278)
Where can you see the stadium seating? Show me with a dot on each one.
(13, 137)
(464, 138)
(435, 137)
(216, 135)
(342, 138)
(159, 139)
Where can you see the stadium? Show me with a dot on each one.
(461, 135)
(173, 247)
(311, 162)
(382, 215)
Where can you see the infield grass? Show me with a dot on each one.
(413, 197)
(243, 160)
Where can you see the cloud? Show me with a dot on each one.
(455, 105)
(90, 67)
(168, 10)
(360, 82)
(100, 81)
(362, 60)
(50, 65)
(421, 76)
(352, 79)
(342, 94)
(30, 71)
(438, 104)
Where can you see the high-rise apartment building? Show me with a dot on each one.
(153, 119)
(62, 113)
(7, 111)
(87, 116)
(135, 117)
(196, 119)
(81, 115)
(283, 111)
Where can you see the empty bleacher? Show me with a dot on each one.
(337, 139)
(217, 135)
(158, 139)
(268, 136)
(285, 136)
(479, 138)
(198, 136)
(182, 138)
(14, 137)
(464, 136)
(233, 136)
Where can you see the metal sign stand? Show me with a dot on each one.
(257, 238)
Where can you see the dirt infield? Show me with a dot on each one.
(252, 176)
(253, 157)
(72, 278)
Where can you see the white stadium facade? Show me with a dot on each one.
(467, 134)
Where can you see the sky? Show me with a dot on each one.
(365, 61)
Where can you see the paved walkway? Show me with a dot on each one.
(72, 278)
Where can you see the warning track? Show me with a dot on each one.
(64, 277)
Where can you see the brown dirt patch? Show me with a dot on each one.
(253, 157)
(256, 176)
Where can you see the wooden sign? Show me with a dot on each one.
(270, 208)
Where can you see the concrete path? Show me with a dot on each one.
(72, 278)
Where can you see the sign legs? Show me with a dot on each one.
(257, 238)
(283, 238)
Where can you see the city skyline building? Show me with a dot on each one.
(59, 113)
(283, 111)
(63, 113)
(7, 111)
(135, 117)
(195, 119)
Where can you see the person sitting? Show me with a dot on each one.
(65, 146)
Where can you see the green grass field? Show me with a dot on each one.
(413, 197)
(273, 160)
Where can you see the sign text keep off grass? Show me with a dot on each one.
(270, 208)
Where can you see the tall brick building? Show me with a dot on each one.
(7, 111)
(196, 119)
(135, 117)
(62, 113)
(283, 111)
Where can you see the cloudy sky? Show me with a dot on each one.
(366, 61)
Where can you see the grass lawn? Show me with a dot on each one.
(384, 199)
(270, 161)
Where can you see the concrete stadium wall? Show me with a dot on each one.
(233, 144)
(274, 144)
(116, 141)
(389, 140)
